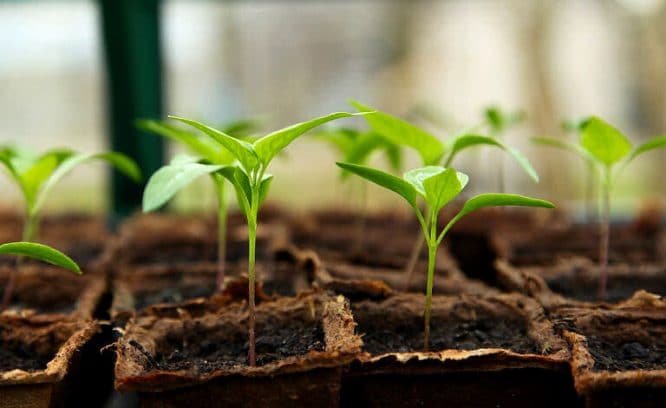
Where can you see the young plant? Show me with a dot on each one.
(183, 170)
(437, 186)
(36, 177)
(36, 251)
(609, 152)
(433, 152)
(250, 180)
(499, 122)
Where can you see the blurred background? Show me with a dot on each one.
(436, 62)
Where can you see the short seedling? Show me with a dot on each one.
(499, 122)
(183, 170)
(251, 182)
(610, 152)
(433, 152)
(437, 186)
(36, 176)
(36, 251)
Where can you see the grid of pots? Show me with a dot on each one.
(339, 323)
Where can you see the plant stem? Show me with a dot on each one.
(604, 227)
(415, 255)
(590, 211)
(221, 234)
(252, 242)
(30, 229)
(432, 252)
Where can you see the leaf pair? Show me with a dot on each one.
(430, 148)
(499, 120)
(36, 176)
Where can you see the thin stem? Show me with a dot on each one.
(30, 228)
(604, 227)
(221, 234)
(416, 249)
(590, 209)
(252, 242)
(432, 251)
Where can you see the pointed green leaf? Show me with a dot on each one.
(386, 180)
(403, 133)
(239, 180)
(202, 147)
(40, 252)
(564, 145)
(394, 155)
(243, 151)
(272, 144)
(120, 161)
(654, 143)
(501, 200)
(415, 177)
(6, 155)
(443, 187)
(186, 158)
(169, 180)
(604, 142)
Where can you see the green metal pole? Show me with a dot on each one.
(131, 36)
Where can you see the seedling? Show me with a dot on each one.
(250, 180)
(36, 251)
(434, 152)
(609, 152)
(499, 122)
(437, 186)
(183, 170)
(36, 177)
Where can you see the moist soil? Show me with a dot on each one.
(274, 341)
(486, 332)
(618, 289)
(18, 355)
(175, 294)
(626, 356)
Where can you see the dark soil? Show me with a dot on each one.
(624, 356)
(174, 294)
(475, 255)
(201, 354)
(617, 289)
(13, 356)
(388, 336)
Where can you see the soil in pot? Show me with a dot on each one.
(301, 344)
(498, 350)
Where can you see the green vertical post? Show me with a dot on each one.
(131, 37)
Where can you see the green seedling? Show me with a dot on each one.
(609, 152)
(183, 170)
(37, 175)
(249, 177)
(436, 186)
(433, 151)
(36, 251)
(499, 122)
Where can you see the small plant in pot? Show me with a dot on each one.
(437, 186)
(37, 175)
(250, 179)
(608, 152)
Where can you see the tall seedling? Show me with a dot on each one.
(433, 152)
(250, 180)
(436, 186)
(499, 122)
(183, 170)
(36, 177)
(610, 152)
(40, 252)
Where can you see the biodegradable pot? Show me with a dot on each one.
(159, 239)
(159, 289)
(619, 354)
(39, 360)
(574, 281)
(494, 351)
(302, 344)
(45, 289)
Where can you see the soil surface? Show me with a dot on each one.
(13, 356)
(174, 294)
(201, 354)
(617, 289)
(485, 332)
(630, 355)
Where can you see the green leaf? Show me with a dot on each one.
(415, 177)
(650, 145)
(604, 142)
(40, 252)
(443, 187)
(186, 158)
(120, 161)
(342, 139)
(197, 145)
(242, 128)
(169, 180)
(386, 180)
(403, 133)
(469, 140)
(501, 200)
(564, 145)
(241, 183)
(243, 151)
(6, 156)
(394, 155)
(270, 145)
(263, 188)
